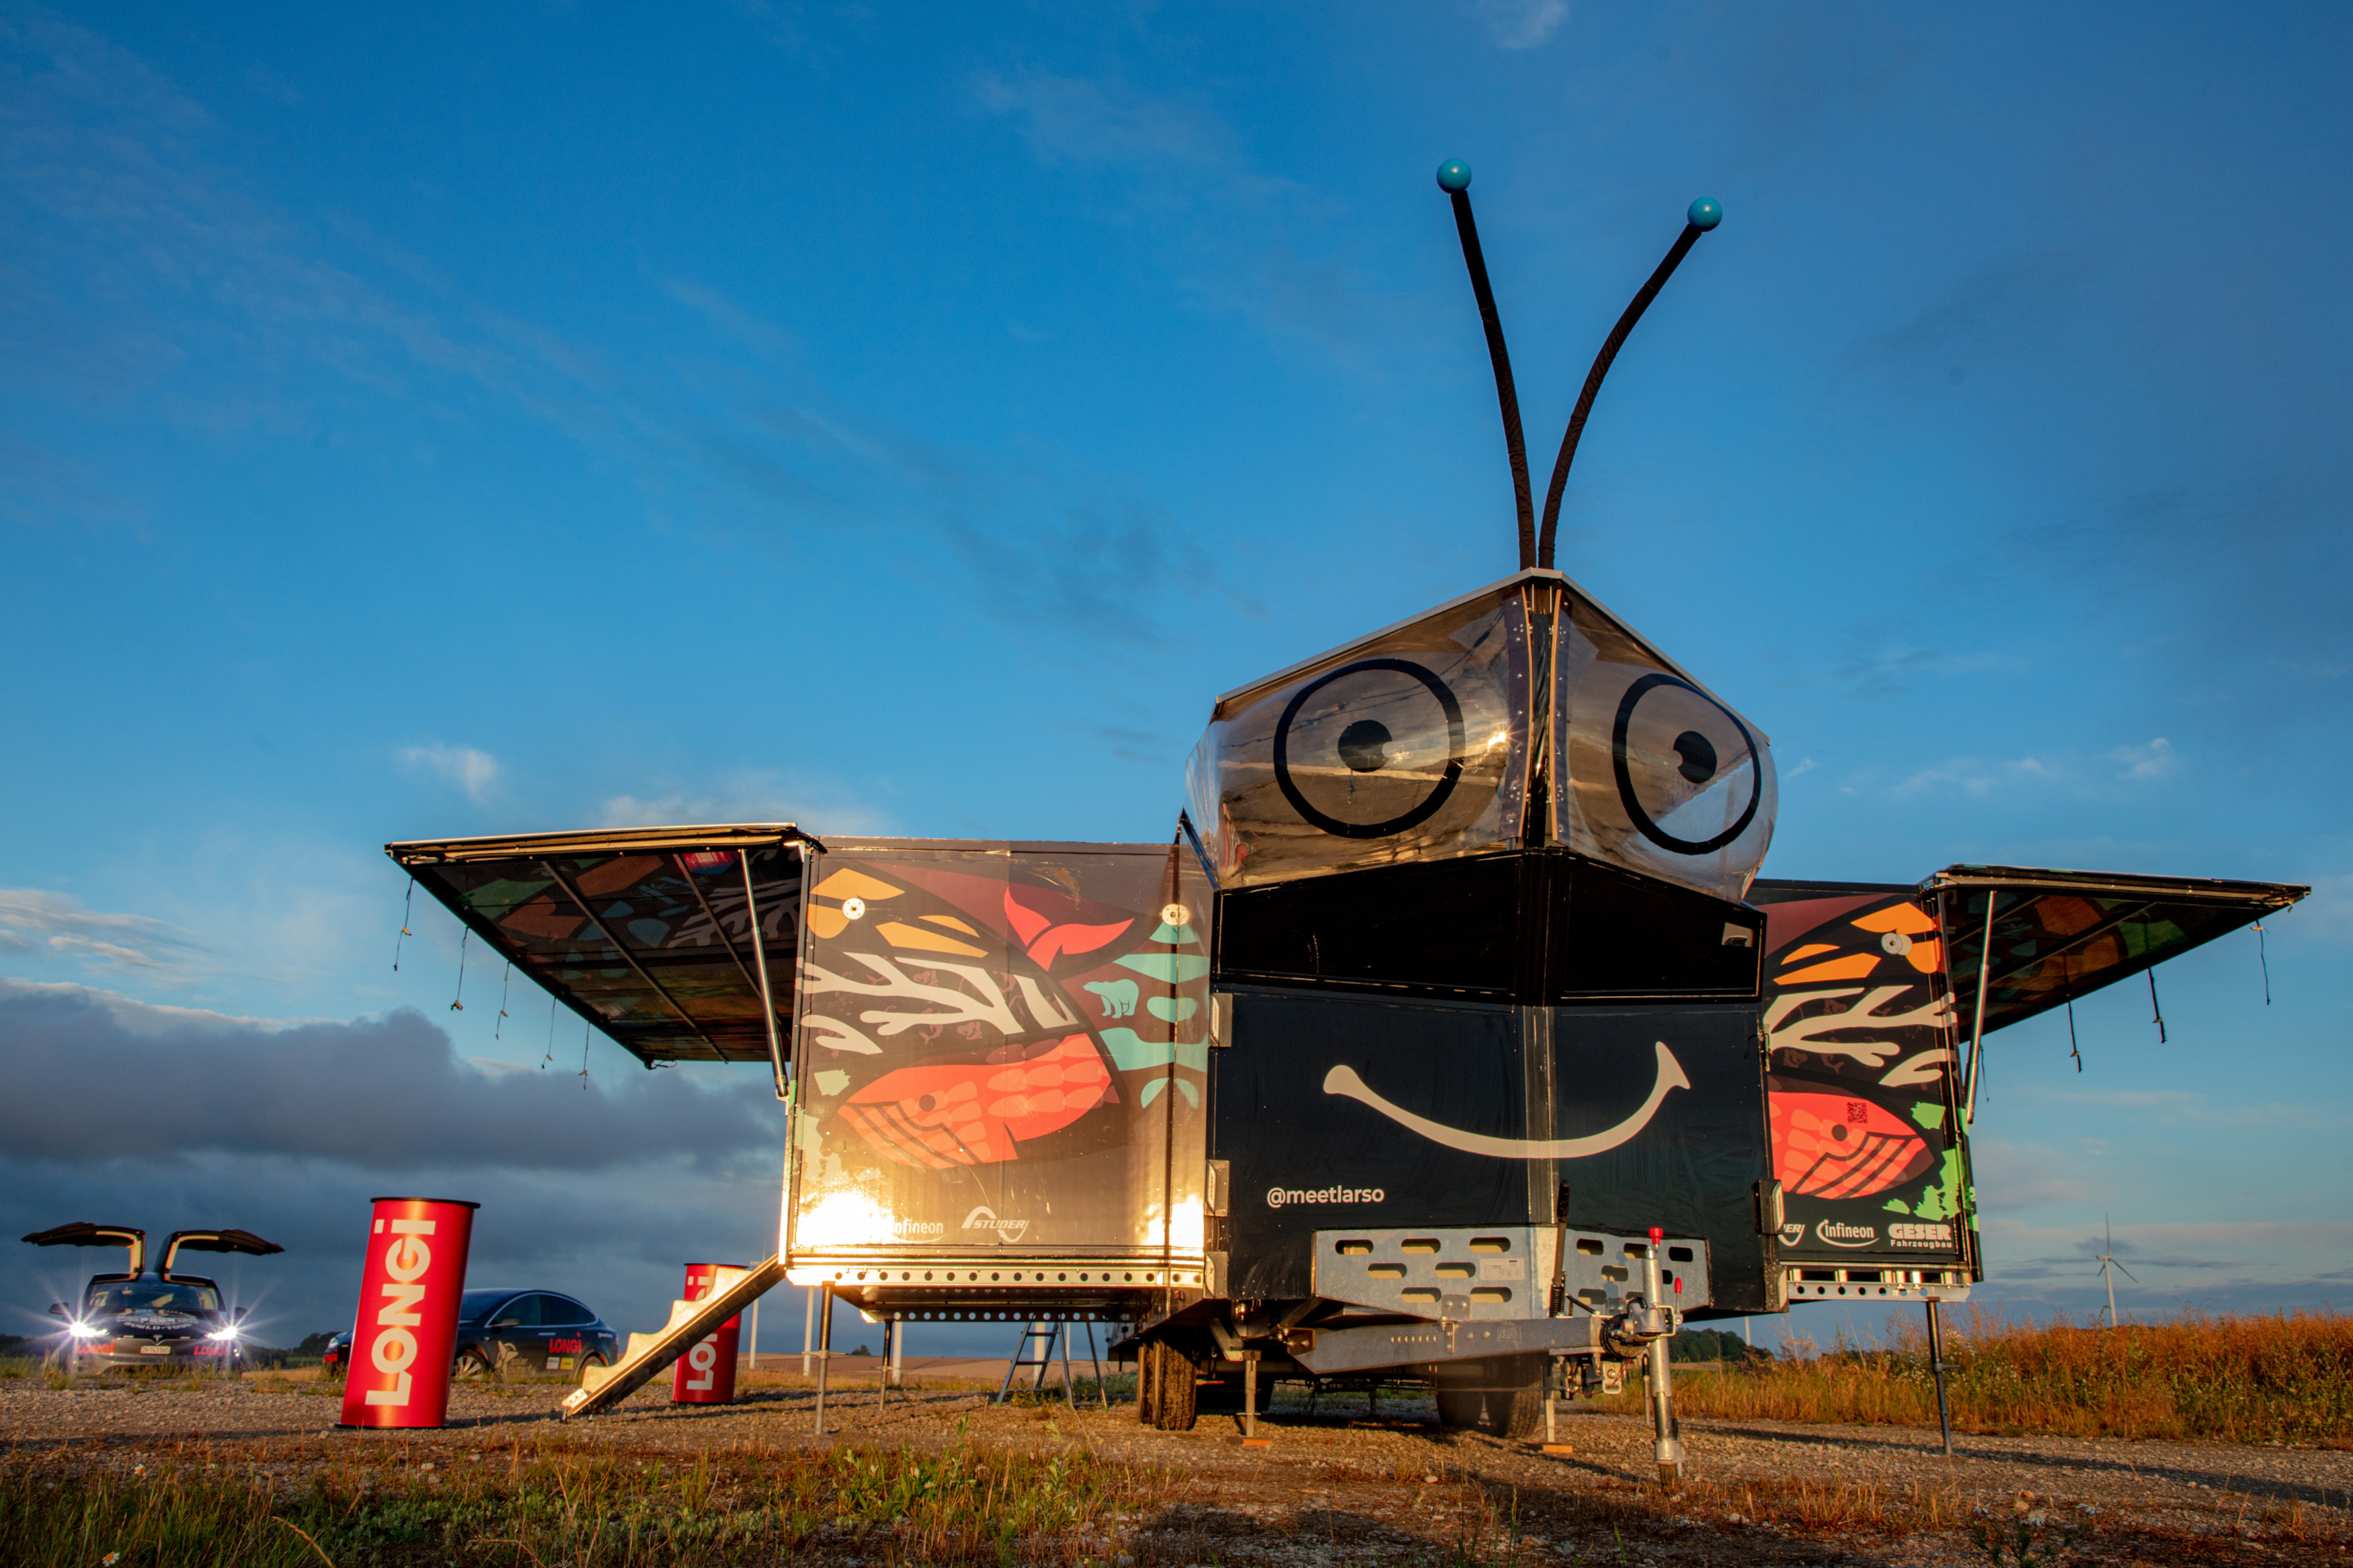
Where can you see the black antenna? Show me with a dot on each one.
(1454, 179)
(1703, 215)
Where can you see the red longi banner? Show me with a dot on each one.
(407, 1332)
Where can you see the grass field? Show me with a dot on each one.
(2286, 1379)
(964, 1505)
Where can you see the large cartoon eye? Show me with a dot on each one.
(1373, 747)
(1689, 772)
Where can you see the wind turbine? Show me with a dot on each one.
(2108, 1261)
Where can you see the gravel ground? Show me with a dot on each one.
(1336, 1487)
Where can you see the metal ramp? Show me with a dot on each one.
(602, 1387)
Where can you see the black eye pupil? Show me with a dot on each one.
(1698, 755)
(1361, 745)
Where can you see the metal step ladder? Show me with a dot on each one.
(602, 1387)
(1042, 1334)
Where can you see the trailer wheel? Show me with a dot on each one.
(1516, 1398)
(1457, 1406)
(1518, 1413)
(1165, 1387)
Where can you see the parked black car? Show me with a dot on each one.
(512, 1333)
(150, 1317)
(528, 1333)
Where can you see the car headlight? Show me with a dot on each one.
(228, 1332)
(84, 1331)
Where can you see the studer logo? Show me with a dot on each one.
(1833, 1233)
(983, 1217)
(407, 1259)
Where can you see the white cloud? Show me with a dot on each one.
(2012, 1176)
(139, 1017)
(34, 921)
(2187, 1105)
(746, 796)
(2153, 761)
(471, 770)
(1522, 24)
(1975, 777)
(1076, 120)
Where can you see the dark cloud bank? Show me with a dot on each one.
(114, 1112)
(77, 1085)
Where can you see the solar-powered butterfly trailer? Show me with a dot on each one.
(1453, 1035)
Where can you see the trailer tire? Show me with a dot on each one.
(1165, 1387)
(1515, 1397)
(1518, 1413)
(1459, 1407)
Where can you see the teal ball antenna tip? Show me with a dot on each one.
(1453, 176)
(1704, 213)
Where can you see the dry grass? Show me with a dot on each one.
(2286, 1379)
(544, 1504)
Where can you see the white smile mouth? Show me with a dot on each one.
(1343, 1081)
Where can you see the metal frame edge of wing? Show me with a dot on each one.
(2186, 889)
(876, 844)
(512, 846)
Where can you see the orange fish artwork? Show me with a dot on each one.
(1833, 1146)
(977, 1113)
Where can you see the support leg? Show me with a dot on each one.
(1662, 1387)
(808, 1330)
(1667, 1433)
(1249, 1393)
(1936, 1368)
(823, 1351)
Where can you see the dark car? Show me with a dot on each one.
(150, 1317)
(512, 1333)
(528, 1333)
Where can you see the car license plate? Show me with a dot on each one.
(154, 1350)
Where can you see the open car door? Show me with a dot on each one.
(243, 1241)
(679, 942)
(82, 1233)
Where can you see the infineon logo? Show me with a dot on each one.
(1834, 1234)
(1281, 1197)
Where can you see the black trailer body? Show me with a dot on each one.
(1481, 939)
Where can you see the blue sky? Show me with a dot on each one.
(468, 420)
